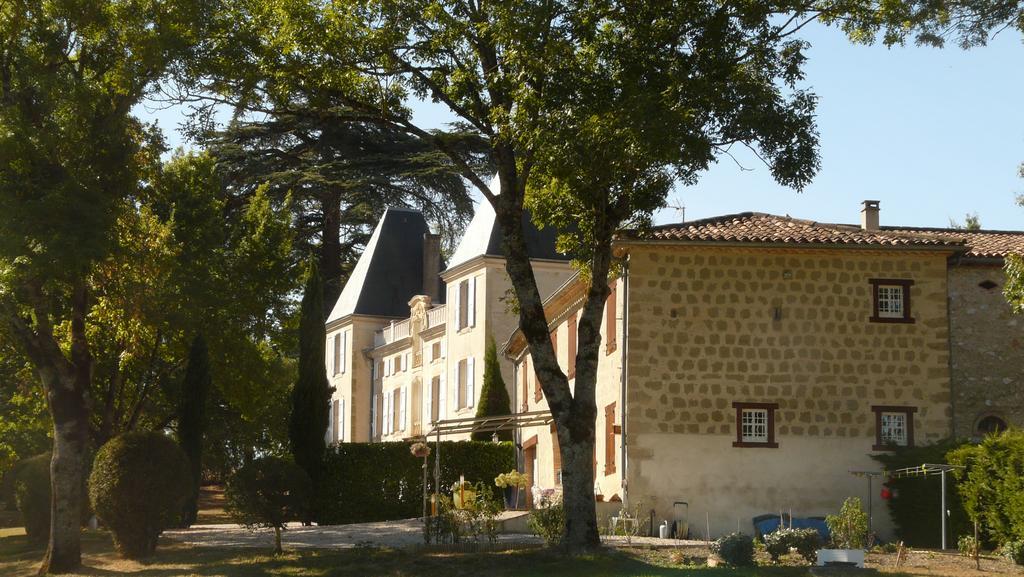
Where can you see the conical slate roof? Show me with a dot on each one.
(390, 270)
(483, 236)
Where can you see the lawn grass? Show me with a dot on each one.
(20, 558)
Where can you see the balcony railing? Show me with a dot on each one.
(436, 316)
(391, 333)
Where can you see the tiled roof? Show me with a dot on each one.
(755, 227)
(980, 243)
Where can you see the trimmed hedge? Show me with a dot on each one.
(915, 502)
(362, 482)
(138, 485)
(32, 494)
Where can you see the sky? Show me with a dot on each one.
(933, 134)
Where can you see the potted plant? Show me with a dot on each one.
(848, 534)
(511, 482)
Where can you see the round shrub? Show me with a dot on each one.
(32, 495)
(736, 549)
(138, 485)
(1013, 551)
(269, 492)
(805, 541)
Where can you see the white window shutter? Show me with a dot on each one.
(387, 414)
(428, 409)
(373, 416)
(387, 367)
(457, 309)
(344, 351)
(329, 356)
(444, 348)
(330, 424)
(470, 383)
(407, 361)
(341, 422)
(471, 316)
(403, 413)
(442, 393)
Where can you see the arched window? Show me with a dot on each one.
(991, 425)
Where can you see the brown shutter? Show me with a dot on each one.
(572, 346)
(463, 304)
(556, 454)
(611, 329)
(609, 439)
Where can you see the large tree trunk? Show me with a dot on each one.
(66, 383)
(574, 414)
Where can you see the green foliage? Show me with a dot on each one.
(1013, 551)
(192, 420)
(805, 541)
(494, 399)
(311, 396)
(477, 519)
(547, 521)
(849, 528)
(736, 549)
(32, 493)
(25, 427)
(968, 546)
(1013, 290)
(268, 492)
(138, 485)
(914, 506)
(991, 484)
(364, 482)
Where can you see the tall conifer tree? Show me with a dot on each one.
(311, 396)
(494, 396)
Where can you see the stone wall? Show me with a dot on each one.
(986, 349)
(711, 326)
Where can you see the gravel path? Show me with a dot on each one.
(395, 534)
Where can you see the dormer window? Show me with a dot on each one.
(891, 300)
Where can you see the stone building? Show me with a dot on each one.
(750, 361)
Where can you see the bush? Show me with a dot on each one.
(32, 495)
(849, 529)
(547, 519)
(736, 549)
(362, 482)
(269, 492)
(138, 485)
(476, 520)
(1013, 551)
(967, 545)
(991, 484)
(805, 541)
(914, 506)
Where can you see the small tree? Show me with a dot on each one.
(192, 420)
(494, 396)
(138, 485)
(849, 529)
(312, 393)
(269, 492)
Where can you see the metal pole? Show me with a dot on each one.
(871, 498)
(943, 474)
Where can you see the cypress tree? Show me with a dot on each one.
(192, 420)
(494, 396)
(311, 396)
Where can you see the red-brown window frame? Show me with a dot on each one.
(609, 439)
(878, 410)
(771, 408)
(902, 282)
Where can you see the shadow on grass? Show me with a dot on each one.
(19, 557)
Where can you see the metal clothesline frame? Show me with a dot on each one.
(922, 470)
(491, 424)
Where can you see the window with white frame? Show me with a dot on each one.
(894, 427)
(891, 300)
(755, 424)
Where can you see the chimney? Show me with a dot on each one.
(432, 266)
(869, 214)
